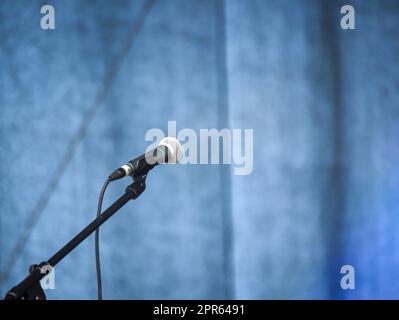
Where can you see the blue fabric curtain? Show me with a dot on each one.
(75, 102)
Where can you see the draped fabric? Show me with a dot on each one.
(323, 103)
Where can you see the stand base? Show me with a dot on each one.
(35, 292)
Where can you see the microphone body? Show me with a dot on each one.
(142, 164)
(169, 150)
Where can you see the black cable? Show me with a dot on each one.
(97, 240)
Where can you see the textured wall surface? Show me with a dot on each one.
(75, 102)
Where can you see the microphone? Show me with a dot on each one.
(169, 150)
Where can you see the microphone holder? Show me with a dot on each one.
(30, 288)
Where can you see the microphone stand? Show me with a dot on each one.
(30, 288)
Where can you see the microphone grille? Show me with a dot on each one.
(174, 147)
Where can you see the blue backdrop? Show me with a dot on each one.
(75, 102)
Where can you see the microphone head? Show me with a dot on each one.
(175, 149)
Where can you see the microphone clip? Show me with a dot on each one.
(137, 187)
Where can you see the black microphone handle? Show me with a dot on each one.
(140, 165)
